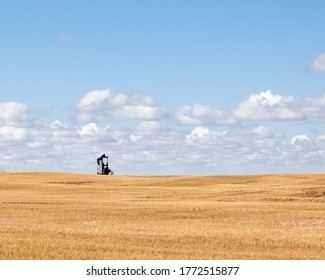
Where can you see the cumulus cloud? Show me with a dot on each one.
(12, 112)
(94, 100)
(101, 105)
(312, 107)
(96, 134)
(264, 106)
(202, 135)
(196, 139)
(8, 133)
(140, 112)
(268, 106)
(203, 115)
(298, 139)
(319, 63)
(90, 129)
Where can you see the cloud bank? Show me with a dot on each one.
(143, 137)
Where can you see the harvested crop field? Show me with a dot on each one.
(74, 216)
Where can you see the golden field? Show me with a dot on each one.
(74, 216)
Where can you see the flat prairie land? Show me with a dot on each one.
(74, 216)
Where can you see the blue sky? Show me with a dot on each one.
(164, 87)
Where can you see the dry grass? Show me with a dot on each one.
(70, 216)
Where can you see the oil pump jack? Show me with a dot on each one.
(102, 166)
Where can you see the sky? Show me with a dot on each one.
(163, 87)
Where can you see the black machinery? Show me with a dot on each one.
(102, 166)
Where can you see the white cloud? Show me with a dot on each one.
(197, 134)
(321, 138)
(150, 126)
(119, 100)
(89, 129)
(13, 122)
(203, 115)
(140, 112)
(318, 64)
(102, 105)
(298, 139)
(267, 106)
(94, 100)
(135, 138)
(39, 144)
(312, 107)
(12, 112)
(190, 143)
(261, 131)
(8, 133)
(264, 106)
(57, 124)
